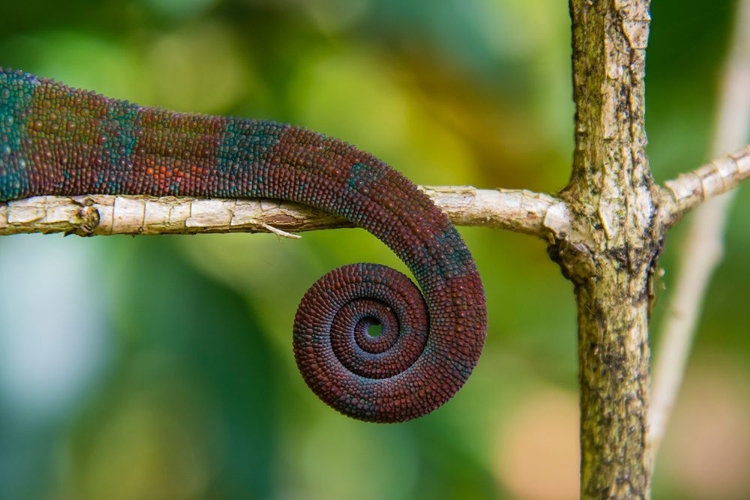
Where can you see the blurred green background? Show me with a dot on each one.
(161, 367)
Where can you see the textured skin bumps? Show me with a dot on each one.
(56, 140)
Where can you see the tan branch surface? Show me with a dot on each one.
(522, 211)
(693, 188)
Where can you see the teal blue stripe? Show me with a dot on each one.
(245, 145)
(121, 140)
(16, 96)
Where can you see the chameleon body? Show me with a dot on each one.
(57, 140)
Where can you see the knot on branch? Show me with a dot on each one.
(575, 259)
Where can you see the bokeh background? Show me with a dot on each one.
(161, 367)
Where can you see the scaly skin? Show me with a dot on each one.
(56, 140)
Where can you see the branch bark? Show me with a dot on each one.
(613, 202)
(542, 215)
(713, 179)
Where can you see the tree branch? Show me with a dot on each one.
(715, 178)
(527, 212)
(616, 240)
(538, 214)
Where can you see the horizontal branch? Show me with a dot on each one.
(691, 189)
(522, 211)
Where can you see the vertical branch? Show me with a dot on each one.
(613, 246)
(702, 249)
